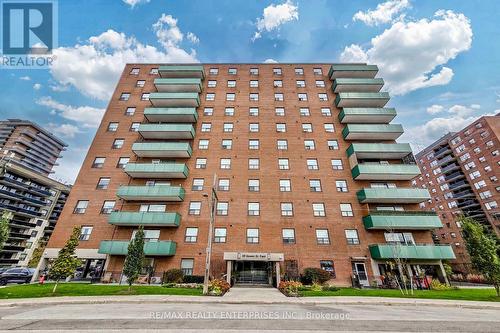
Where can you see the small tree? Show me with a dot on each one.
(37, 254)
(66, 262)
(4, 227)
(483, 250)
(135, 258)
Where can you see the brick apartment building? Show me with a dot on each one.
(32, 200)
(308, 175)
(461, 172)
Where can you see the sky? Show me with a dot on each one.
(440, 59)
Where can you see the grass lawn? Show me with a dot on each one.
(456, 294)
(85, 289)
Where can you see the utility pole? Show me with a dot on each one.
(213, 206)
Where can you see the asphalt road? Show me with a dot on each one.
(220, 317)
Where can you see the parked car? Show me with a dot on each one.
(16, 275)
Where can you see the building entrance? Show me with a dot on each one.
(252, 272)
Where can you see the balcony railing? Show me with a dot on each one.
(157, 248)
(160, 170)
(379, 150)
(376, 132)
(182, 71)
(402, 220)
(352, 71)
(151, 193)
(393, 195)
(149, 219)
(357, 85)
(362, 99)
(171, 115)
(368, 171)
(367, 115)
(415, 252)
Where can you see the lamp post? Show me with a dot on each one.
(213, 207)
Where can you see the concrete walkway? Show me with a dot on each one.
(254, 294)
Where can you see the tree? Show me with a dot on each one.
(37, 254)
(135, 258)
(483, 249)
(4, 227)
(66, 262)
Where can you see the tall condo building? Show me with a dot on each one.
(307, 174)
(28, 197)
(461, 172)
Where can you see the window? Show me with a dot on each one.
(194, 208)
(145, 97)
(153, 208)
(253, 144)
(318, 209)
(320, 83)
(107, 206)
(329, 128)
(112, 127)
(337, 165)
(254, 112)
(254, 83)
(327, 265)
(309, 144)
(285, 185)
(253, 185)
(299, 71)
(140, 83)
(322, 236)
(203, 144)
(223, 185)
(129, 111)
(228, 127)
(81, 207)
(187, 266)
(286, 209)
(210, 97)
(280, 112)
(304, 112)
(278, 84)
(474, 175)
(153, 71)
(253, 236)
(253, 127)
(352, 236)
(253, 163)
(201, 163)
(254, 97)
(278, 97)
(315, 185)
(134, 127)
(307, 128)
(281, 128)
(222, 208)
(213, 71)
(323, 97)
(300, 83)
(206, 127)
(124, 96)
(346, 210)
(225, 163)
(134, 71)
(485, 194)
(317, 71)
(277, 71)
(231, 83)
(326, 112)
(229, 112)
(282, 144)
(312, 164)
(122, 162)
(212, 84)
(191, 235)
(227, 144)
(230, 97)
(480, 184)
(288, 236)
(85, 233)
(197, 184)
(399, 238)
(341, 185)
(254, 71)
(253, 209)
(333, 145)
(98, 162)
(220, 235)
(232, 71)
(208, 111)
(302, 97)
(103, 183)
(283, 164)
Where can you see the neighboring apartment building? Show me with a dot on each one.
(308, 175)
(461, 172)
(33, 201)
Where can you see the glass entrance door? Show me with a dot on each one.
(359, 270)
(252, 272)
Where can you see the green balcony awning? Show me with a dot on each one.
(174, 99)
(393, 195)
(402, 220)
(166, 131)
(366, 115)
(178, 85)
(171, 115)
(157, 170)
(151, 193)
(162, 149)
(388, 151)
(414, 252)
(384, 132)
(182, 71)
(120, 248)
(357, 85)
(372, 171)
(361, 99)
(352, 71)
(147, 219)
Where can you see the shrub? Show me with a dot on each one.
(290, 288)
(193, 279)
(327, 287)
(316, 287)
(314, 275)
(173, 275)
(436, 285)
(218, 287)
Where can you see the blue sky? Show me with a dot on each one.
(440, 59)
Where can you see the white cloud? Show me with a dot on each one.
(270, 61)
(25, 78)
(133, 3)
(433, 109)
(192, 38)
(274, 16)
(94, 67)
(411, 55)
(84, 115)
(384, 12)
(64, 130)
(37, 86)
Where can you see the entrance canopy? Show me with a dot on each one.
(254, 256)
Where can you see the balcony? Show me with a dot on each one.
(416, 252)
(357, 85)
(120, 248)
(390, 151)
(146, 219)
(392, 195)
(450, 167)
(166, 131)
(377, 132)
(352, 71)
(362, 99)
(454, 176)
(367, 115)
(446, 149)
(182, 71)
(151, 193)
(171, 115)
(376, 171)
(160, 170)
(162, 149)
(178, 85)
(401, 220)
(447, 159)
(185, 99)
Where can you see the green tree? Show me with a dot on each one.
(135, 258)
(66, 262)
(37, 254)
(483, 250)
(4, 227)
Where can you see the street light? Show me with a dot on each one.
(212, 205)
